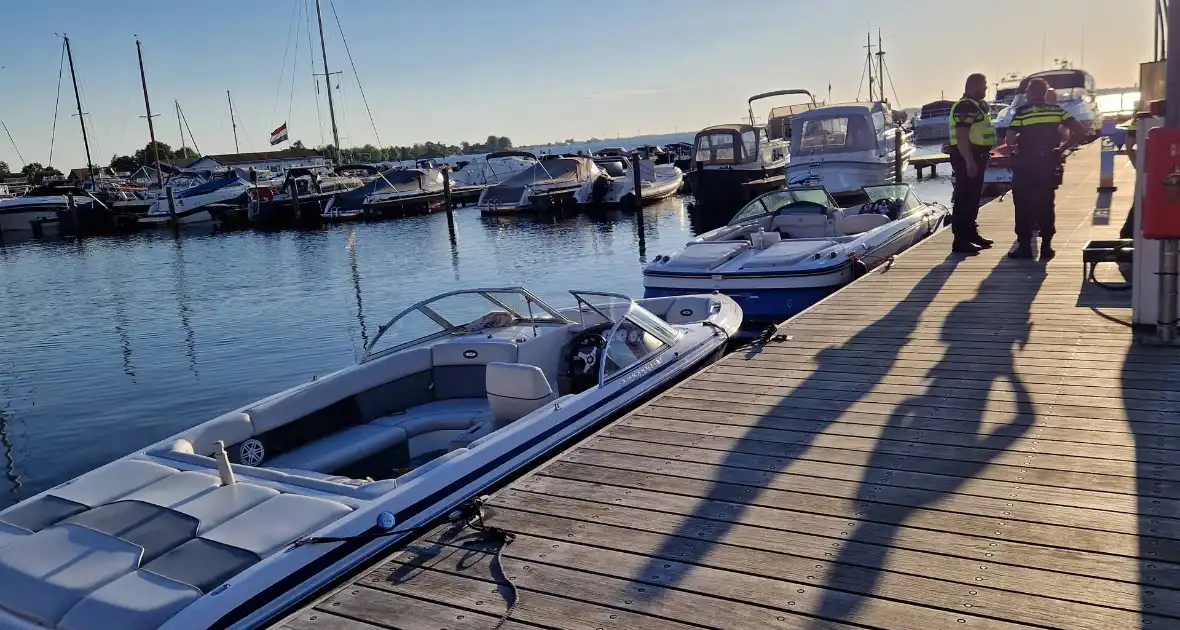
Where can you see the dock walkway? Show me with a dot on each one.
(948, 443)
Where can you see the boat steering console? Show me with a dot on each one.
(582, 357)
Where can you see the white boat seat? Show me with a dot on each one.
(140, 600)
(214, 508)
(176, 489)
(459, 366)
(115, 480)
(11, 533)
(276, 522)
(515, 390)
(341, 448)
(861, 223)
(441, 415)
(801, 225)
(689, 309)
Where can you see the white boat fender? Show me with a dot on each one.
(224, 468)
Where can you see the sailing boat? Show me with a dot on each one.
(845, 147)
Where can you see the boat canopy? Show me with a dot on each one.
(395, 180)
(937, 109)
(727, 144)
(839, 129)
(521, 154)
(208, 187)
(558, 170)
(461, 313)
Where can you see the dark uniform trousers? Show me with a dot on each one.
(1035, 179)
(968, 193)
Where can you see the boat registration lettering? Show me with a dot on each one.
(642, 371)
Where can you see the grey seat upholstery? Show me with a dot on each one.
(687, 310)
(515, 390)
(861, 223)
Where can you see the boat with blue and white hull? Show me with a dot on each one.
(788, 249)
(198, 204)
(846, 147)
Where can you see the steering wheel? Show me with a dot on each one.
(587, 352)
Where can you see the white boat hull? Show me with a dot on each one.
(842, 175)
(11, 222)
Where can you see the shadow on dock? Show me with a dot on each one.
(889, 335)
(885, 508)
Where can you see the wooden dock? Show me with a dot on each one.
(929, 162)
(949, 443)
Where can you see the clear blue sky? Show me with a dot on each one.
(535, 71)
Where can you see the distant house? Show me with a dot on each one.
(274, 161)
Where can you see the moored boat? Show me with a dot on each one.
(845, 147)
(550, 183)
(615, 186)
(788, 249)
(238, 520)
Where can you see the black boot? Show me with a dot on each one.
(1023, 250)
(983, 243)
(1047, 252)
(964, 246)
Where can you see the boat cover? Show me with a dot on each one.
(208, 187)
(565, 170)
(393, 181)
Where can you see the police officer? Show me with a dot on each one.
(1036, 132)
(972, 138)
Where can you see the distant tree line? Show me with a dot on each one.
(33, 171)
(147, 157)
(371, 153)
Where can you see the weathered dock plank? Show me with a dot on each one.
(948, 443)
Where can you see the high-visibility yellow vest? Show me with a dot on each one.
(983, 130)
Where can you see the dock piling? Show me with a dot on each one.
(447, 205)
(897, 137)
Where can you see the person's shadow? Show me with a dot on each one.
(888, 335)
(883, 514)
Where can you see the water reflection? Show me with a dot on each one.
(354, 270)
(182, 302)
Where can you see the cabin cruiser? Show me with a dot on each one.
(311, 189)
(615, 186)
(934, 122)
(732, 163)
(844, 148)
(17, 214)
(236, 521)
(551, 182)
(1075, 94)
(788, 249)
(492, 169)
(199, 204)
(390, 193)
(1006, 91)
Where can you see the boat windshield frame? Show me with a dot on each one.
(552, 316)
(830, 203)
(634, 315)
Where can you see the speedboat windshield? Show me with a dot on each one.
(775, 201)
(461, 312)
(891, 193)
(635, 336)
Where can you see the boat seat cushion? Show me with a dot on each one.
(341, 448)
(11, 533)
(140, 600)
(801, 225)
(176, 489)
(440, 415)
(230, 428)
(515, 390)
(459, 366)
(314, 396)
(687, 310)
(275, 523)
(46, 574)
(861, 223)
(115, 480)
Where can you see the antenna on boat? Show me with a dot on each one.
(869, 62)
(880, 66)
(147, 104)
(232, 121)
(81, 116)
(328, 82)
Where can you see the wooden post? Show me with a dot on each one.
(295, 200)
(447, 205)
(72, 204)
(172, 209)
(637, 181)
(897, 137)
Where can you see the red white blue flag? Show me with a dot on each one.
(278, 135)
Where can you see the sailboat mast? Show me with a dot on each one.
(147, 104)
(232, 121)
(869, 61)
(880, 66)
(78, 100)
(179, 125)
(328, 80)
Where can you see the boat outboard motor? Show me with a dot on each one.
(599, 189)
(581, 358)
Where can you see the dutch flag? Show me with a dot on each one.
(278, 135)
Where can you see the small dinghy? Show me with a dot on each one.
(788, 249)
(239, 519)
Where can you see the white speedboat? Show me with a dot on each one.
(547, 184)
(232, 523)
(934, 122)
(310, 188)
(844, 148)
(1075, 94)
(729, 161)
(199, 203)
(390, 193)
(17, 214)
(615, 186)
(788, 249)
(492, 168)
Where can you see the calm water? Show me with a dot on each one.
(109, 344)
